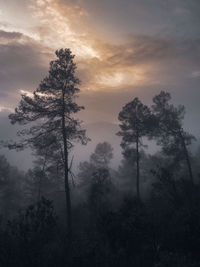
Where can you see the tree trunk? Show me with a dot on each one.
(187, 158)
(41, 177)
(66, 171)
(138, 168)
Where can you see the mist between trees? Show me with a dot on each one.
(145, 213)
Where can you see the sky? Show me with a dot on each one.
(124, 49)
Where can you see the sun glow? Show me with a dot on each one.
(129, 77)
(24, 92)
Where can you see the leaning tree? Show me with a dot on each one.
(169, 131)
(50, 115)
(136, 122)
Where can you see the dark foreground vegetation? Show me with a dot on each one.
(146, 213)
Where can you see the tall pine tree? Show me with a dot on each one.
(136, 122)
(50, 113)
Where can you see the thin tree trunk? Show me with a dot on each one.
(66, 171)
(138, 168)
(41, 177)
(187, 158)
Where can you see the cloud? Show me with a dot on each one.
(136, 61)
(63, 25)
(181, 11)
(23, 64)
(140, 60)
(9, 36)
(195, 74)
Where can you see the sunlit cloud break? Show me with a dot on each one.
(55, 28)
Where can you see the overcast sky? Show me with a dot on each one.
(123, 48)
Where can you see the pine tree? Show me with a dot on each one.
(169, 131)
(136, 122)
(50, 115)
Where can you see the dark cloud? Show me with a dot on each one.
(10, 35)
(23, 63)
(173, 17)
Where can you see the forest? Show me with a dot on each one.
(145, 213)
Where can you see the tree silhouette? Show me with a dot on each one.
(48, 164)
(102, 155)
(99, 160)
(136, 122)
(11, 184)
(51, 108)
(169, 130)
